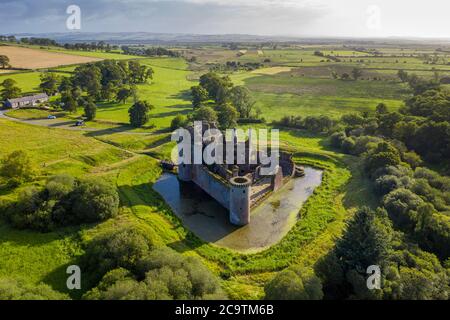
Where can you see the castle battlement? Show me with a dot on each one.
(237, 187)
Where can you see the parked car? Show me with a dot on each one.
(51, 117)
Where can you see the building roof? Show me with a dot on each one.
(29, 98)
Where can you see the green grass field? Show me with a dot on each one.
(128, 158)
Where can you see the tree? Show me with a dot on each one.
(88, 77)
(356, 73)
(383, 155)
(68, 102)
(366, 240)
(139, 73)
(123, 94)
(205, 114)
(294, 283)
(94, 200)
(345, 76)
(139, 113)
(90, 110)
(401, 204)
(122, 248)
(17, 166)
(10, 90)
(199, 95)
(178, 122)
(109, 91)
(49, 83)
(217, 87)
(241, 99)
(420, 85)
(381, 108)
(162, 274)
(402, 75)
(227, 116)
(4, 62)
(65, 84)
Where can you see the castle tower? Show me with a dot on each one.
(240, 200)
(185, 172)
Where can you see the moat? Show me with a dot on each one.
(209, 220)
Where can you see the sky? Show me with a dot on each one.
(301, 18)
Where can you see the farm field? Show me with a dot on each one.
(26, 58)
(291, 82)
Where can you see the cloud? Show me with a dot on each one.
(263, 17)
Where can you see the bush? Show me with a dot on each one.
(17, 167)
(12, 289)
(401, 204)
(160, 274)
(382, 156)
(337, 138)
(294, 283)
(63, 201)
(205, 114)
(94, 200)
(179, 121)
(119, 249)
(386, 184)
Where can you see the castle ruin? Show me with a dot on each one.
(237, 187)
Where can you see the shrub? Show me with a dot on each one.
(401, 205)
(206, 114)
(294, 283)
(17, 166)
(94, 200)
(179, 121)
(337, 138)
(63, 201)
(120, 249)
(12, 289)
(160, 274)
(386, 184)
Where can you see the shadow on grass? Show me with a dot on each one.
(182, 95)
(171, 113)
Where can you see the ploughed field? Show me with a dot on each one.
(26, 58)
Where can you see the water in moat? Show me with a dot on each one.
(270, 221)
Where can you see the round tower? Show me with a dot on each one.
(185, 172)
(240, 200)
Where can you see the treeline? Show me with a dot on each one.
(29, 41)
(232, 66)
(150, 52)
(317, 124)
(92, 46)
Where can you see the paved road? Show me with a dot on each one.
(50, 123)
(69, 125)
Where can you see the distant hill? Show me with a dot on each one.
(178, 38)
